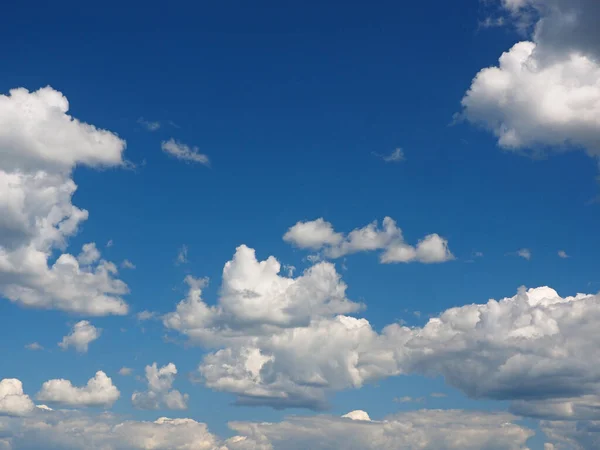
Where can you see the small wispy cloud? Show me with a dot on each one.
(125, 371)
(182, 255)
(109, 243)
(438, 395)
(408, 399)
(396, 156)
(149, 125)
(524, 253)
(34, 346)
(145, 315)
(562, 254)
(184, 152)
(492, 22)
(126, 264)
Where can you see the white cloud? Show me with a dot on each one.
(320, 235)
(145, 315)
(396, 156)
(110, 243)
(255, 298)
(99, 391)
(126, 264)
(423, 430)
(41, 144)
(13, 401)
(125, 371)
(160, 393)
(34, 346)
(545, 92)
(148, 124)
(182, 257)
(68, 430)
(562, 254)
(313, 234)
(80, 337)
(524, 253)
(183, 152)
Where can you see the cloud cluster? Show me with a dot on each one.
(80, 337)
(99, 391)
(320, 235)
(418, 430)
(544, 92)
(160, 393)
(534, 346)
(40, 145)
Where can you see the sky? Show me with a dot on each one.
(273, 225)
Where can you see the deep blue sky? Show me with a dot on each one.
(290, 101)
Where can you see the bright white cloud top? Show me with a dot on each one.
(41, 145)
(80, 337)
(160, 393)
(99, 391)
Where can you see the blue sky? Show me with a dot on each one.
(295, 108)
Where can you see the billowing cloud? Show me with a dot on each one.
(41, 144)
(160, 393)
(256, 299)
(544, 92)
(80, 337)
(320, 235)
(184, 152)
(99, 391)
(13, 401)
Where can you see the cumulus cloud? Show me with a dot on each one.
(544, 92)
(417, 430)
(125, 371)
(524, 253)
(68, 430)
(160, 393)
(256, 299)
(424, 430)
(126, 264)
(41, 144)
(320, 235)
(184, 152)
(13, 401)
(562, 254)
(80, 337)
(99, 391)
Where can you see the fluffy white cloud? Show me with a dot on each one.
(256, 299)
(422, 430)
(68, 430)
(125, 371)
(418, 430)
(184, 152)
(99, 391)
(40, 145)
(80, 337)
(320, 235)
(13, 401)
(545, 92)
(34, 346)
(160, 393)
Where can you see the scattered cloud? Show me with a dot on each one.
(408, 399)
(524, 253)
(396, 156)
(183, 152)
(125, 371)
(82, 334)
(438, 395)
(34, 346)
(492, 22)
(182, 255)
(320, 235)
(160, 393)
(41, 145)
(99, 391)
(126, 264)
(149, 125)
(110, 243)
(13, 402)
(544, 92)
(146, 315)
(562, 254)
